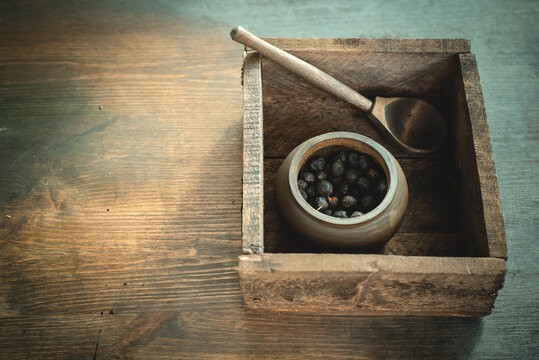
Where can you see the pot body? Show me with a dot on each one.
(373, 228)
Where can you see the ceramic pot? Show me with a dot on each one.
(372, 228)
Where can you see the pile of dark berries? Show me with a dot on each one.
(342, 184)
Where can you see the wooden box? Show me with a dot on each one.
(448, 257)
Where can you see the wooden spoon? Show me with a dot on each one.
(414, 124)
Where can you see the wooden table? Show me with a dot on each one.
(120, 180)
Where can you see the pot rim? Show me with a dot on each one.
(314, 144)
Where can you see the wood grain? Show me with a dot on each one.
(371, 284)
(488, 181)
(374, 45)
(170, 76)
(255, 335)
(112, 177)
(475, 178)
(253, 163)
(292, 106)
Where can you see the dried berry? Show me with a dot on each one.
(363, 162)
(321, 175)
(343, 188)
(348, 202)
(351, 175)
(355, 192)
(342, 183)
(324, 188)
(353, 158)
(320, 203)
(309, 177)
(340, 155)
(363, 183)
(336, 180)
(337, 168)
(340, 214)
(311, 192)
(317, 164)
(333, 201)
(367, 202)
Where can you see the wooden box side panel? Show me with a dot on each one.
(481, 219)
(371, 284)
(488, 181)
(374, 45)
(253, 157)
(292, 105)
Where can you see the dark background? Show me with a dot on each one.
(120, 226)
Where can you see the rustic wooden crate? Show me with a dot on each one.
(448, 257)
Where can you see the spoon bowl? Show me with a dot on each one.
(414, 124)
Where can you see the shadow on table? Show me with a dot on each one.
(442, 338)
(370, 337)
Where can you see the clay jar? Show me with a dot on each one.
(373, 228)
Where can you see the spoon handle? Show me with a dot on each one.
(301, 68)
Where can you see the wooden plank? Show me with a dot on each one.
(371, 284)
(253, 167)
(488, 181)
(464, 164)
(431, 212)
(481, 219)
(374, 74)
(292, 106)
(373, 45)
(231, 333)
(282, 240)
(145, 191)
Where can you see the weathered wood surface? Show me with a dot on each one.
(481, 216)
(374, 45)
(253, 162)
(291, 105)
(371, 284)
(491, 211)
(169, 74)
(133, 208)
